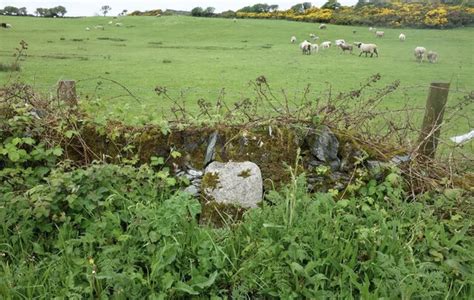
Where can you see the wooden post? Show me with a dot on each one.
(434, 112)
(67, 92)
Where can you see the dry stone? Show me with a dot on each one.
(234, 183)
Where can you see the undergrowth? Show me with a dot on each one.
(127, 231)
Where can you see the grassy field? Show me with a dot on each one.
(199, 57)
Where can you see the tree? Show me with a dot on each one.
(22, 11)
(273, 7)
(209, 12)
(123, 13)
(197, 12)
(331, 4)
(59, 11)
(105, 9)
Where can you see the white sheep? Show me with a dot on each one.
(111, 22)
(420, 53)
(367, 48)
(402, 37)
(323, 26)
(87, 29)
(293, 39)
(379, 34)
(305, 47)
(432, 56)
(314, 48)
(314, 37)
(99, 27)
(372, 29)
(325, 45)
(340, 42)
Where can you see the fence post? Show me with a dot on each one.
(434, 112)
(67, 92)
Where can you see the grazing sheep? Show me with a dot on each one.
(372, 29)
(345, 47)
(314, 48)
(293, 39)
(5, 25)
(379, 34)
(305, 47)
(432, 56)
(314, 37)
(118, 24)
(367, 48)
(402, 37)
(340, 42)
(420, 53)
(87, 29)
(99, 27)
(325, 45)
(323, 26)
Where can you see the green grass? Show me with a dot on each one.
(200, 56)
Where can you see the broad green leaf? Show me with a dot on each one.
(183, 287)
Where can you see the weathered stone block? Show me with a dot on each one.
(233, 183)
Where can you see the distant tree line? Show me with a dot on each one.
(13, 11)
(58, 11)
(200, 12)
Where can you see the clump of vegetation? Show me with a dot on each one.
(11, 67)
(384, 14)
(167, 61)
(19, 54)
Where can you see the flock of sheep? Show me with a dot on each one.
(308, 48)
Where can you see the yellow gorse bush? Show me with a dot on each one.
(395, 15)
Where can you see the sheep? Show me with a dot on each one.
(293, 39)
(99, 27)
(87, 29)
(340, 42)
(6, 25)
(402, 37)
(314, 48)
(325, 45)
(323, 26)
(432, 56)
(367, 48)
(314, 37)
(420, 53)
(372, 29)
(111, 22)
(379, 34)
(305, 47)
(118, 24)
(345, 47)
